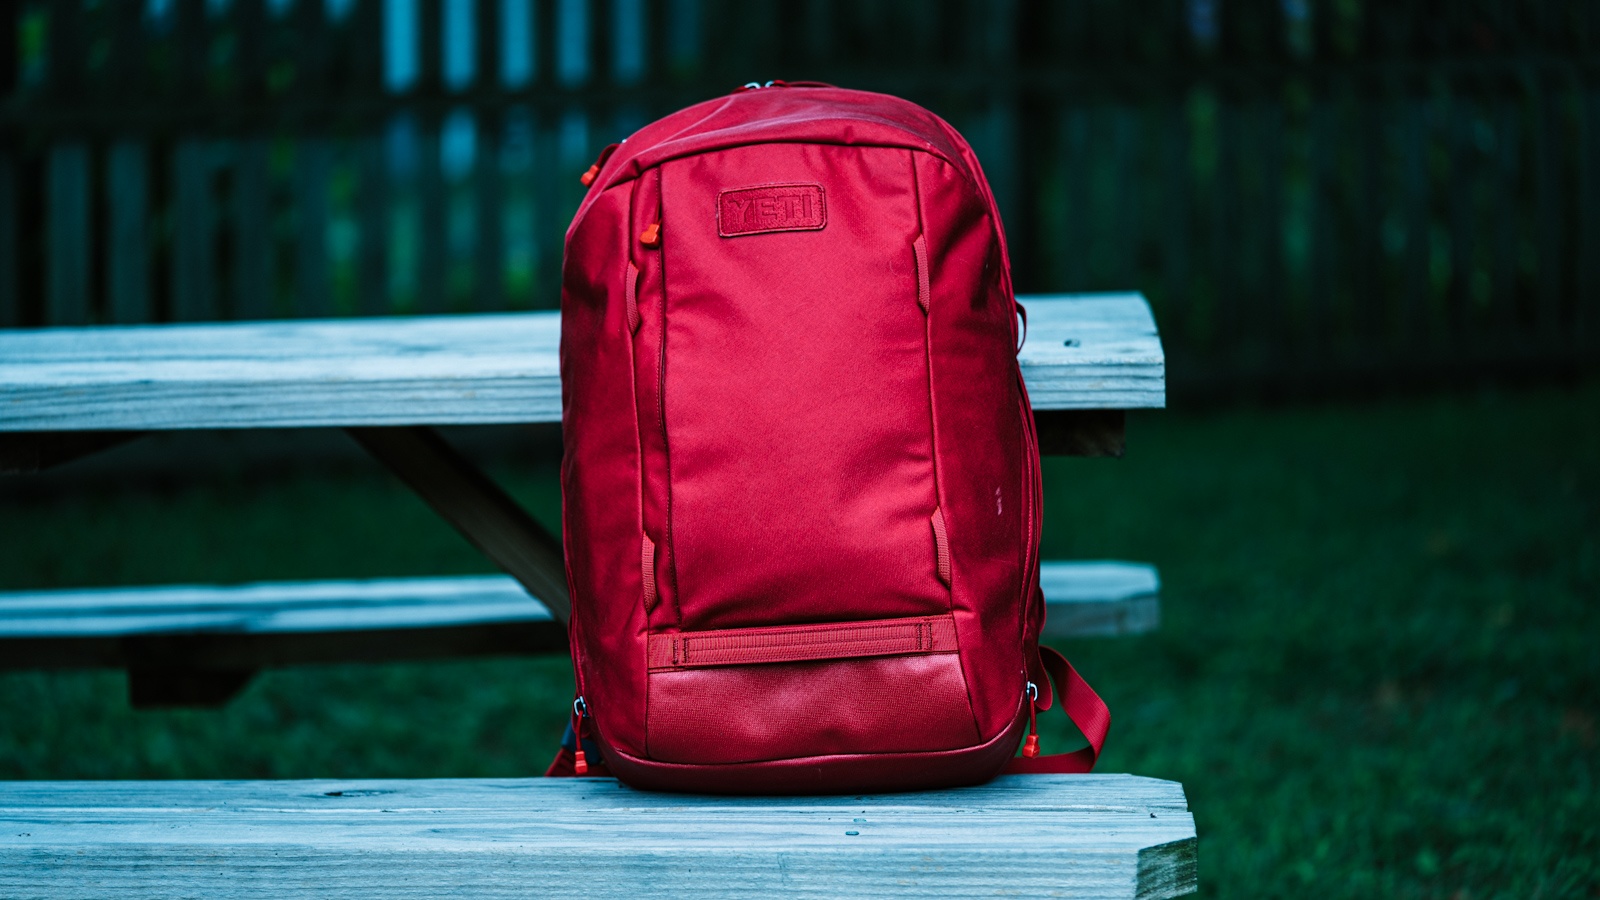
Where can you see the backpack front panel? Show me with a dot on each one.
(799, 458)
(797, 396)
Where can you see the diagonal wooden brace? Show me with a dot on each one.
(477, 507)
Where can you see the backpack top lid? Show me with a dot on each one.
(802, 113)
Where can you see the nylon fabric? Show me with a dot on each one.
(941, 547)
(792, 373)
(919, 248)
(647, 565)
(631, 300)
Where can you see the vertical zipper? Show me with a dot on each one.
(1030, 747)
(941, 540)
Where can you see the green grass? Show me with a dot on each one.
(1378, 673)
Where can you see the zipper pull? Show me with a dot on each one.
(594, 171)
(651, 236)
(1030, 747)
(580, 765)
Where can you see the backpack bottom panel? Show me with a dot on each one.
(829, 774)
(749, 713)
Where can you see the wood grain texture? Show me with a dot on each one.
(1093, 351)
(269, 607)
(1099, 598)
(449, 370)
(281, 623)
(1030, 835)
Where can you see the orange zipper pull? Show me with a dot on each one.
(580, 765)
(651, 236)
(1030, 747)
(594, 171)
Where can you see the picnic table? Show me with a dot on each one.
(68, 392)
(65, 393)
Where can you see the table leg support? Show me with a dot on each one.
(477, 507)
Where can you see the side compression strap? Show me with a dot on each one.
(1086, 710)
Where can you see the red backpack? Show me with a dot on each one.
(801, 481)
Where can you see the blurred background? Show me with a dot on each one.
(1370, 232)
(1312, 194)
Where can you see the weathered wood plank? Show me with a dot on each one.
(1087, 352)
(1082, 599)
(1092, 351)
(269, 607)
(1032, 835)
(1099, 598)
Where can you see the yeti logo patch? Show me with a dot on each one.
(771, 207)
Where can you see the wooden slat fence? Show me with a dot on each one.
(1313, 193)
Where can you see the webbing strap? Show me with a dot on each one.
(919, 250)
(1086, 710)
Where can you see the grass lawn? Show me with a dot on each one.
(1378, 675)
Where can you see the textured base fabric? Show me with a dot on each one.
(828, 774)
(736, 714)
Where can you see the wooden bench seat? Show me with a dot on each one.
(1100, 836)
(283, 623)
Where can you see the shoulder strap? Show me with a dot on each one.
(1083, 706)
